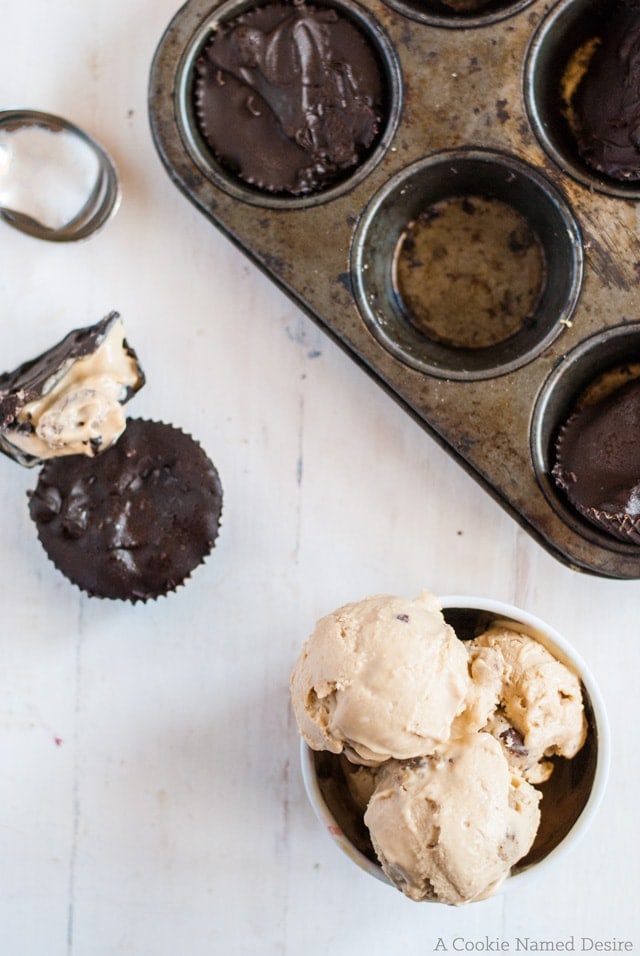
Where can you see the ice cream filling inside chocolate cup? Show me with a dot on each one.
(466, 264)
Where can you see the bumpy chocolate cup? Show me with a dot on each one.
(133, 523)
(567, 26)
(465, 173)
(571, 796)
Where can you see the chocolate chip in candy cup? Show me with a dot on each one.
(134, 522)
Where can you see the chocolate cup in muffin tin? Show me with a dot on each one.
(204, 159)
(472, 118)
(568, 27)
(465, 175)
(595, 368)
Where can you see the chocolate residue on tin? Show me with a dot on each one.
(289, 98)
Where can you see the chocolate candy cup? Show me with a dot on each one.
(134, 522)
(323, 121)
(584, 439)
(562, 48)
(598, 462)
(291, 99)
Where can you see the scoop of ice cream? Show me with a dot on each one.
(380, 678)
(449, 827)
(530, 701)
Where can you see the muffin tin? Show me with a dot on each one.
(475, 129)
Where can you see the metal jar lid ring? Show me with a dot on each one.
(59, 189)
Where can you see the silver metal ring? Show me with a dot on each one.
(103, 197)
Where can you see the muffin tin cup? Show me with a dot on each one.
(473, 118)
(466, 175)
(202, 154)
(569, 25)
(605, 361)
(571, 796)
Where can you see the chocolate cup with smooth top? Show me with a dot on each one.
(289, 98)
(606, 101)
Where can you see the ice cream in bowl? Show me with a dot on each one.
(452, 747)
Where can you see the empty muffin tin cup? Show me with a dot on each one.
(458, 13)
(593, 369)
(467, 264)
(223, 175)
(571, 796)
(549, 81)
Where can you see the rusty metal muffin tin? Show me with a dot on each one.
(474, 109)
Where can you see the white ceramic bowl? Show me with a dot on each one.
(574, 790)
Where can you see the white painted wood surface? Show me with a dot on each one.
(150, 797)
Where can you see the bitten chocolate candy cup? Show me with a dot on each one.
(467, 342)
(571, 796)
